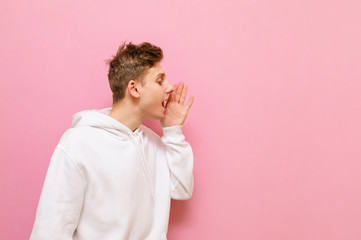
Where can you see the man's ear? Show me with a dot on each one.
(133, 88)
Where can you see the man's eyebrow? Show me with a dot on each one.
(161, 74)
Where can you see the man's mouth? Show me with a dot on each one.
(164, 102)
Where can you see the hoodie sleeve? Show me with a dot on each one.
(61, 199)
(180, 162)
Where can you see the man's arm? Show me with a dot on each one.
(180, 162)
(61, 199)
(178, 152)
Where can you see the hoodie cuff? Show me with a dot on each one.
(173, 131)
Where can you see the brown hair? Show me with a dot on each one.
(131, 63)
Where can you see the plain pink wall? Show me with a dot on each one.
(275, 125)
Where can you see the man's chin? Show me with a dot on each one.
(162, 116)
(159, 117)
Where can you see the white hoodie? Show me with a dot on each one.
(106, 182)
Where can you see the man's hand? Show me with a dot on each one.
(176, 113)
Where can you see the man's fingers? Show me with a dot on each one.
(178, 91)
(171, 96)
(183, 95)
(189, 103)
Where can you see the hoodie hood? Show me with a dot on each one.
(101, 119)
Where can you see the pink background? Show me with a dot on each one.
(275, 125)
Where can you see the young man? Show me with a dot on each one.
(110, 177)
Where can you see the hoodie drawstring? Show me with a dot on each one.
(139, 134)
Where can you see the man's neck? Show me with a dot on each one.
(127, 114)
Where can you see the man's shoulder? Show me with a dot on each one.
(76, 135)
(77, 132)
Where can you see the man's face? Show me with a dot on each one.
(154, 93)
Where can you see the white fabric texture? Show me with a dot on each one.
(106, 182)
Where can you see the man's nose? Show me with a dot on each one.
(169, 88)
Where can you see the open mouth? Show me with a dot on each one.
(164, 102)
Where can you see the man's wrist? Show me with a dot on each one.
(172, 131)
